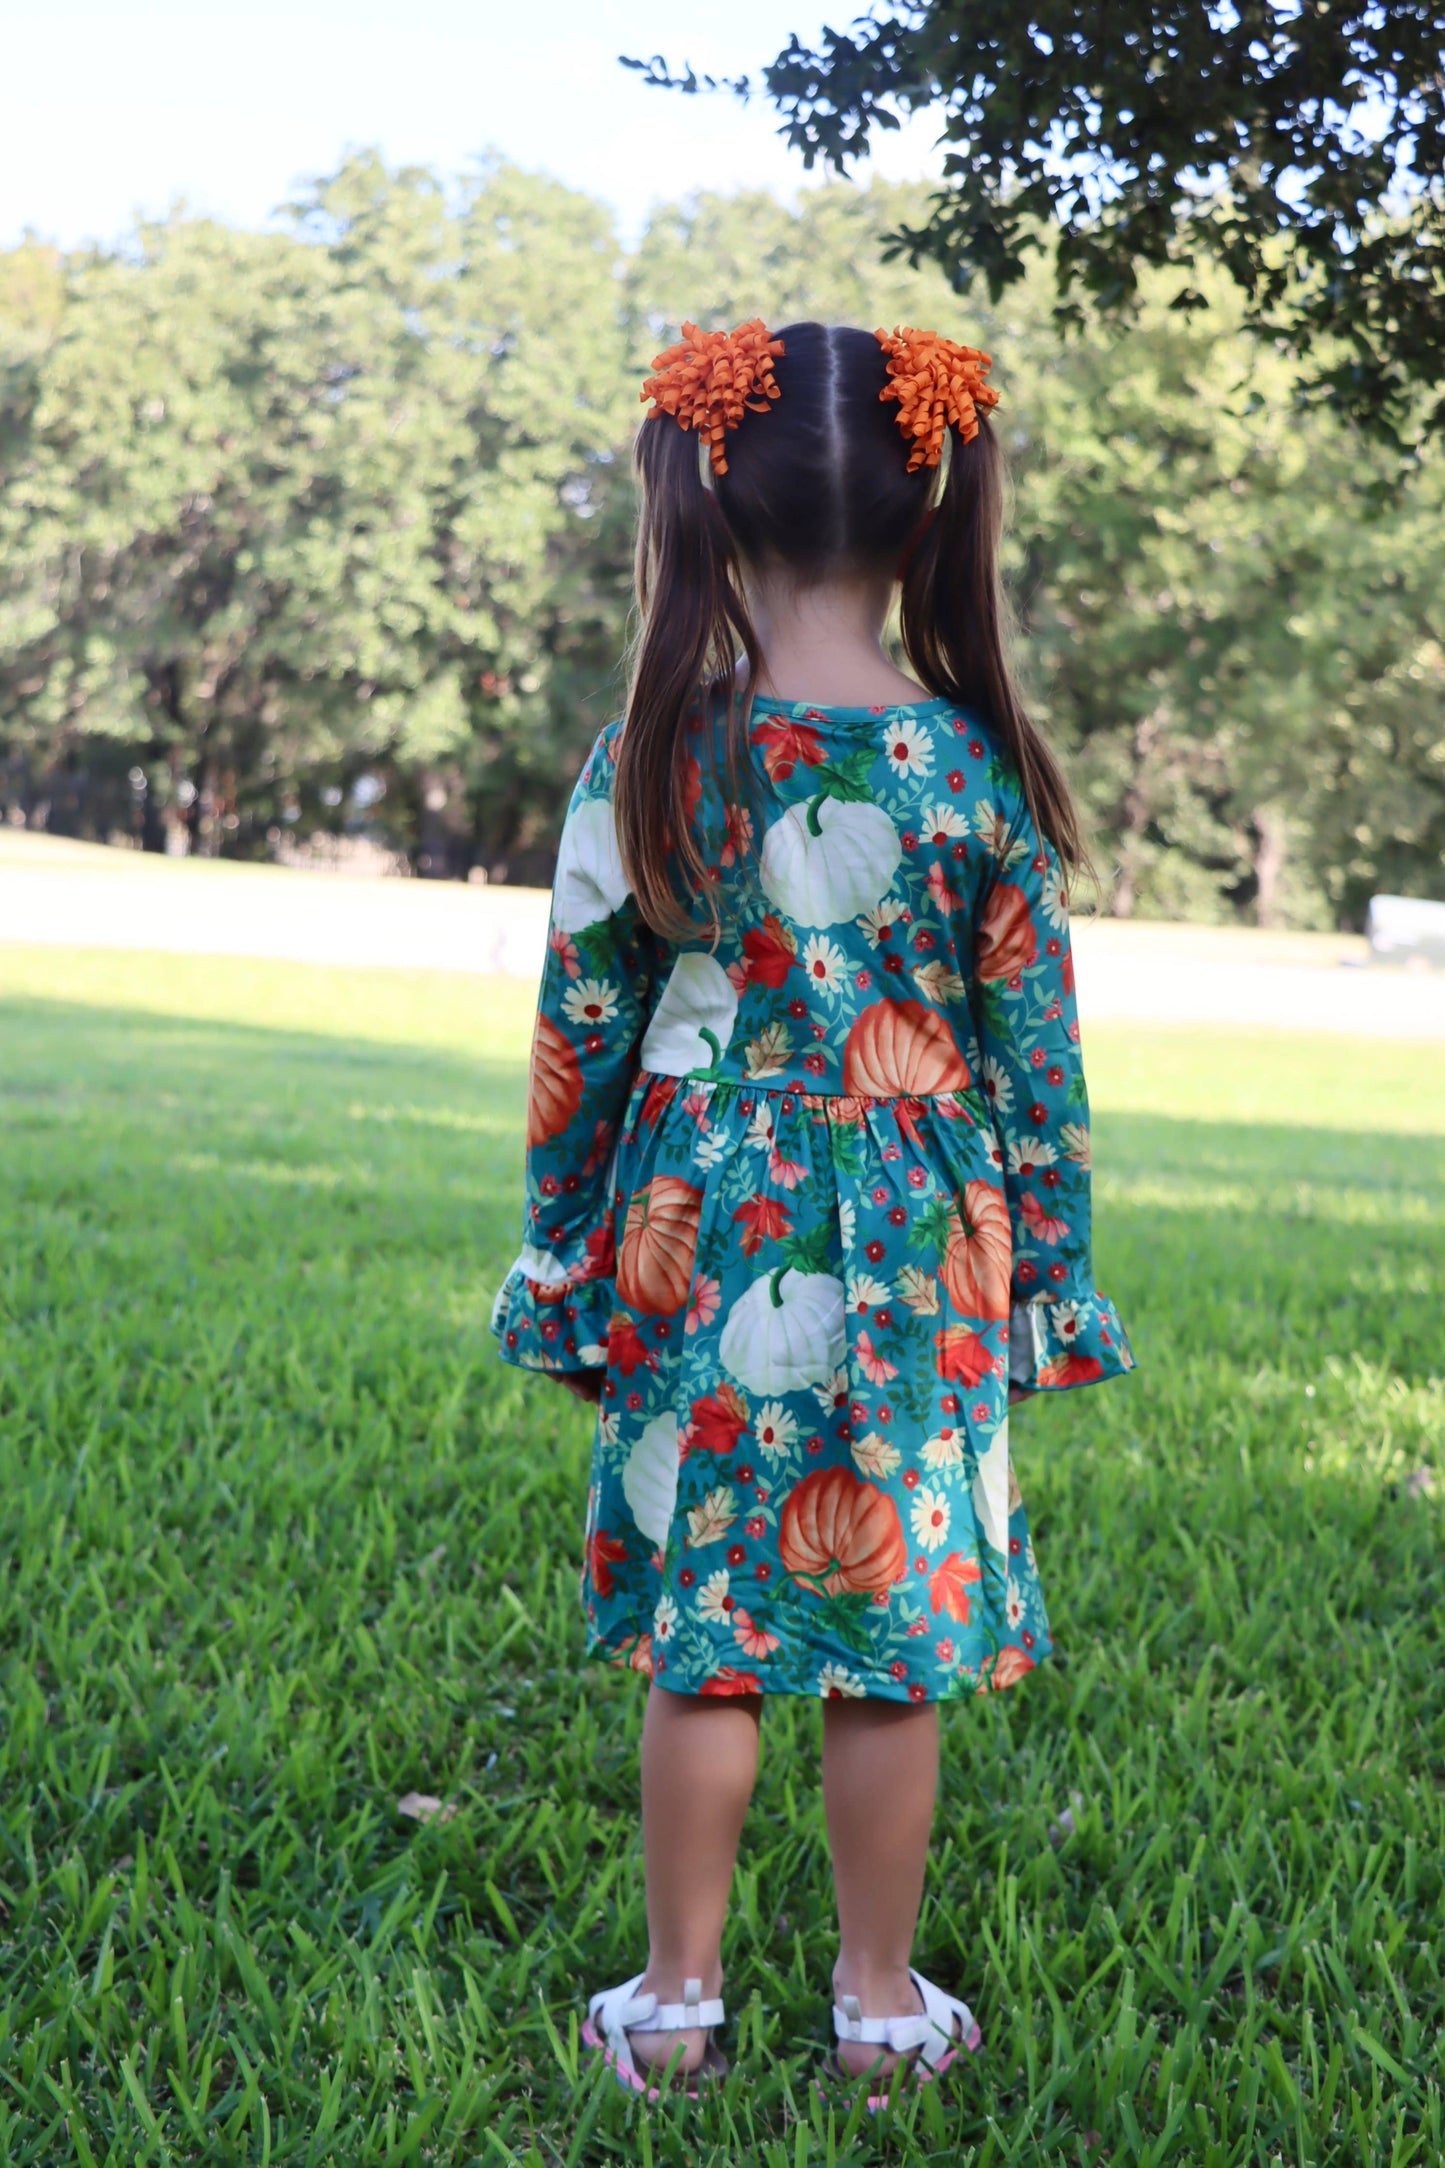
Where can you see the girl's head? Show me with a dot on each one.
(816, 488)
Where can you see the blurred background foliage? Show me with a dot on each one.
(324, 532)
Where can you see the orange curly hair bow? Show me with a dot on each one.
(935, 383)
(708, 381)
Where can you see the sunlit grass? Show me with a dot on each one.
(282, 1542)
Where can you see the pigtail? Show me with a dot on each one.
(692, 620)
(954, 625)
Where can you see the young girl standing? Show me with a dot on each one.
(808, 1142)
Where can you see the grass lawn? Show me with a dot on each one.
(282, 1542)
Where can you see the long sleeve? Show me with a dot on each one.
(1062, 1331)
(552, 1310)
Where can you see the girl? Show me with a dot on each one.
(808, 1142)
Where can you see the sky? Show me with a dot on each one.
(116, 110)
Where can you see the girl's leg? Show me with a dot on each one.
(699, 1759)
(880, 1779)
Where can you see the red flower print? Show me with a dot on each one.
(873, 1251)
(1038, 1114)
(797, 1009)
(736, 1554)
(955, 779)
(1026, 1273)
(975, 746)
(1041, 1223)
(1014, 1546)
(910, 1479)
(762, 1219)
(728, 1681)
(686, 1578)
(897, 1670)
(1038, 1057)
(908, 839)
(863, 980)
(1055, 1075)
(593, 1043)
(1053, 946)
(1027, 1639)
(742, 1473)
(1058, 1273)
(918, 1691)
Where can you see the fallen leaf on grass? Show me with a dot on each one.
(1065, 1825)
(421, 1807)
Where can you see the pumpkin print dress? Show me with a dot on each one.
(812, 1199)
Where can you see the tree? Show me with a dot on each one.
(1299, 145)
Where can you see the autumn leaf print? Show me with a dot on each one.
(949, 1583)
(710, 1522)
(771, 951)
(964, 1355)
(784, 744)
(718, 1421)
(762, 1219)
(767, 1055)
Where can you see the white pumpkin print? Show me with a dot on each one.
(991, 1490)
(590, 883)
(786, 1333)
(829, 860)
(693, 1021)
(649, 1481)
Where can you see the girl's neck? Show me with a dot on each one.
(824, 643)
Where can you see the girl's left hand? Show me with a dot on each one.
(582, 1384)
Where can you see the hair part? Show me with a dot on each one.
(815, 488)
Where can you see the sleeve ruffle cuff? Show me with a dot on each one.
(550, 1319)
(1055, 1345)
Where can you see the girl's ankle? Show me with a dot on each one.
(881, 1990)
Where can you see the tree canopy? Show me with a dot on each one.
(1299, 145)
(326, 531)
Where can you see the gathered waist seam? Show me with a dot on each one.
(966, 1096)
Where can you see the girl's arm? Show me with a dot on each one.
(552, 1311)
(1062, 1330)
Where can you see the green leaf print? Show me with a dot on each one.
(809, 1252)
(847, 1157)
(1077, 1094)
(930, 1230)
(847, 779)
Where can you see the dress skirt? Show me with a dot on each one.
(801, 1479)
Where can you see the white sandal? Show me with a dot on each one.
(933, 2035)
(620, 2011)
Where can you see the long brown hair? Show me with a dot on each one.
(816, 486)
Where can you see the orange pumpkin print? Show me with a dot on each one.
(659, 1241)
(555, 1092)
(1007, 939)
(979, 1259)
(843, 1534)
(902, 1050)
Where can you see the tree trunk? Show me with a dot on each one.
(1270, 840)
(1138, 806)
